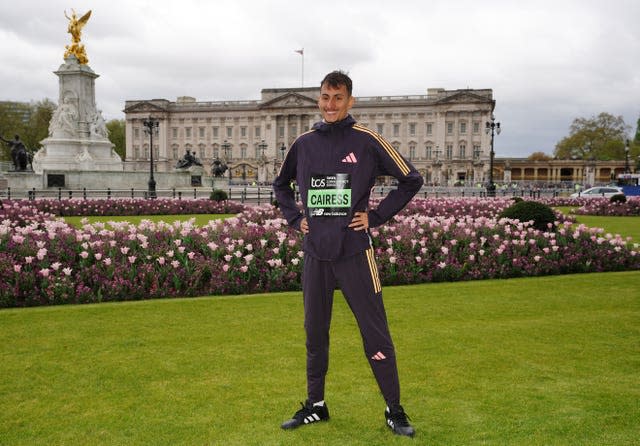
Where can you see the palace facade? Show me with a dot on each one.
(442, 133)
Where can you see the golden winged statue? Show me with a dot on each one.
(75, 29)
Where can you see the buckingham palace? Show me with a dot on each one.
(442, 132)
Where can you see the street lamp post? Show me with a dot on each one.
(626, 158)
(491, 127)
(262, 147)
(226, 147)
(282, 150)
(151, 126)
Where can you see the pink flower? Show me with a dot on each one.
(41, 253)
(124, 250)
(244, 268)
(17, 239)
(84, 254)
(98, 256)
(44, 272)
(175, 263)
(56, 266)
(67, 271)
(17, 268)
(107, 261)
(392, 259)
(227, 258)
(225, 267)
(132, 259)
(191, 255)
(442, 265)
(161, 260)
(295, 260)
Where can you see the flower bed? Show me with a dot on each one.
(45, 261)
(133, 206)
(598, 206)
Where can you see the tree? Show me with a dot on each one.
(37, 127)
(13, 117)
(116, 135)
(539, 156)
(599, 137)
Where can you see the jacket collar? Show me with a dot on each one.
(327, 127)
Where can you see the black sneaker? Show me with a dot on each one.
(398, 421)
(307, 415)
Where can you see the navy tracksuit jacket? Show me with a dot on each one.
(335, 166)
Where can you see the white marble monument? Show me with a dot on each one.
(77, 132)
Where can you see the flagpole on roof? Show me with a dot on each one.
(301, 52)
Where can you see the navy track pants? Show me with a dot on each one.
(357, 277)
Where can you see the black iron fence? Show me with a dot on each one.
(260, 194)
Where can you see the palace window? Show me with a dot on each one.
(201, 132)
(449, 151)
(257, 131)
(396, 129)
(174, 133)
(229, 132)
(462, 150)
(380, 128)
(449, 128)
(463, 127)
(476, 127)
(187, 132)
(215, 132)
(428, 152)
(429, 128)
(243, 132)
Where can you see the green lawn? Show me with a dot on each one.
(534, 361)
(625, 226)
(201, 219)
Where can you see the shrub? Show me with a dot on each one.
(618, 198)
(541, 214)
(219, 195)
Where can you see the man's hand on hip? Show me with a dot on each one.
(360, 221)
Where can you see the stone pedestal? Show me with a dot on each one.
(78, 138)
(220, 183)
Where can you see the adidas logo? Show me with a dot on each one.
(311, 418)
(350, 158)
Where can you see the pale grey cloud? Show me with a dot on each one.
(548, 62)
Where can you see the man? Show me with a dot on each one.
(335, 166)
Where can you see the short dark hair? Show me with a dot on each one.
(337, 78)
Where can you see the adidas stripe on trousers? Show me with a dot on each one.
(357, 277)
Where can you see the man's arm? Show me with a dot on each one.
(409, 183)
(285, 193)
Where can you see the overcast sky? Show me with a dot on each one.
(547, 62)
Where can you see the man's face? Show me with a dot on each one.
(334, 103)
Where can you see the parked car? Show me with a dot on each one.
(599, 192)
